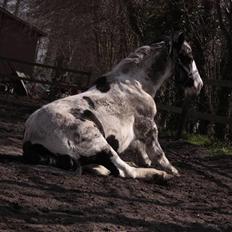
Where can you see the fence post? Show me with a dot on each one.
(55, 79)
(184, 116)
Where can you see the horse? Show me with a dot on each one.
(115, 114)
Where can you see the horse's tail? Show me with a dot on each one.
(38, 154)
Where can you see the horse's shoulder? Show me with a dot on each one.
(143, 103)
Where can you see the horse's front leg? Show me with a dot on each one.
(139, 148)
(156, 153)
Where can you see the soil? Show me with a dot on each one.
(41, 198)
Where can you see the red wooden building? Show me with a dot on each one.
(18, 40)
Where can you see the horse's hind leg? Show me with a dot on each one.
(35, 154)
(38, 154)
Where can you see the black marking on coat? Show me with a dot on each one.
(102, 158)
(87, 114)
(90, 101)
(66, 162)
(73, 126)
(76, 112)
(38, 154)
(113, 142)
(102, 84)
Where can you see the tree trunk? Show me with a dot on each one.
(17, 5)
(225, 22)
(4, 4)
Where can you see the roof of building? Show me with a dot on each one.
(24, 23)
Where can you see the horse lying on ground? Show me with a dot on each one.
(118, 112)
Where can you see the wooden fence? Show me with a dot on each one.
(57, 69)
(187, 112)
(13, 60)
(183, 112)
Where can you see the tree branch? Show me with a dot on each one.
(223, 27)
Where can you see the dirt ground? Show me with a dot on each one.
(40, 198)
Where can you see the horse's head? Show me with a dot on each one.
(151, 65)
(186, 72)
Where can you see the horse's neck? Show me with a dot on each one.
(140, 80)
(133, 80)
(129, 71)
(160, 78)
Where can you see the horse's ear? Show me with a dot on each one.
(178, 40)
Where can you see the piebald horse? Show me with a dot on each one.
(117, 113)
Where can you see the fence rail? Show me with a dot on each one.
(60, 83)
(220, 83)
(196, 115)
(59, 70)
(183, 112)
(186, 113)
(45, 66)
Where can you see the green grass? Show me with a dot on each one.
(220, 149)
(196, 139)
(214, 147)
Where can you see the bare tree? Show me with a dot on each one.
(17, 5)
(94, 35)
(224, 13)
(4, 4)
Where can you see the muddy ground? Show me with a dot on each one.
(40, 198)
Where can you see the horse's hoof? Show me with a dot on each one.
(162, 179)
(174, 172)
(168, 177)
(177, 174)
